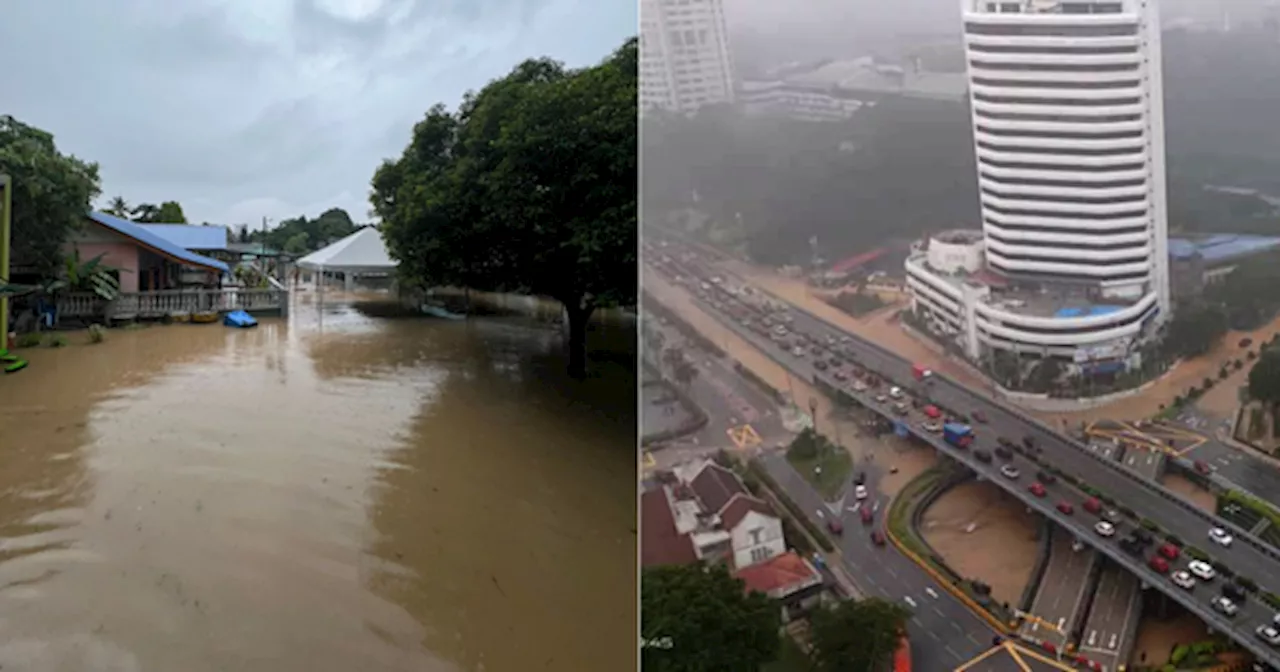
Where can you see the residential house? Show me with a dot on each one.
(146, 261)
(704, 512)
(788, 578)
(210, 241)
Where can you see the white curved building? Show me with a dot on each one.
(1068, 128)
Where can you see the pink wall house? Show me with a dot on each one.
(146, 262)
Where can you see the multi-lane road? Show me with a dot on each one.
(1246, 557)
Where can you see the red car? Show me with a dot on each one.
(1066, 508)
(1159, 564)
(1036, 489)
(1092, 505)
(1170, 551)
(867, 515)
(835, 526)
(877, 538)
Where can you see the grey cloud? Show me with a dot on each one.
(247, 108)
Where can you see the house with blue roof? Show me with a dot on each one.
(148, 261)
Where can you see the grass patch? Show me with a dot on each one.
(825, 465)
(791, 658)
(1246, 511)
(904, 503)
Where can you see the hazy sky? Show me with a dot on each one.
(241, 109)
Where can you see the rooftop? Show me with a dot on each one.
(191, 236)
(660, 542)
(158, 244)
(1221, 247)
(739, 507)
(864, 75)
(715, 486)
(780, 575)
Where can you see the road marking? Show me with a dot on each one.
(744, 436)
(952, 652)
(939, 612)
(1061, 622)
(649, 461)
(935, 636)
(891, 571)
(1112, 644)
(932, 593)
(1093, 637)
(909, 601)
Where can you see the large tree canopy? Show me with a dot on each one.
(51, 193)
(168, 212)
(529, 188)
(300, 235)
(709, 621)
(1264, 377)
(857, 636)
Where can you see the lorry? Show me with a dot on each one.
(957, 435)
(920, 371)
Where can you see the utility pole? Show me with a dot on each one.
(263, 257)
(6, 206)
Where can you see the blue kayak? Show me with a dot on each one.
(239, 319)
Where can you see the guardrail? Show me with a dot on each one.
(1135, 567)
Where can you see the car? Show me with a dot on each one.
(1233, 591)
(1201, 569)
(1269, 634)
(797, 351)
(867, 515)
(859, 492)
(881, 398)
(1158, 564)
(877, 537)
(840, 376)
(932, 427)
(1036, 488)
(1220, 537)
(900, 408)
(1104, 529)
(979, 417)
(982, 456)
(1004, 453)
(860, 478)
(1011, 472)
(1169, 551)
(820, 365)
(1004, 442)
(1092, 505)
(1225, 606)
(1141, 536)
(895, 392)
(1183, 579)
(1046, 477)
(1065, 508)
(835, 526)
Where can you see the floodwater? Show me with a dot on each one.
(329, 491)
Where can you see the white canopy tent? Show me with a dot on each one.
(361, 253)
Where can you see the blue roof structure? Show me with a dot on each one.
(157, 243)
(1090, 311)
(191, 237)
(1221, 247)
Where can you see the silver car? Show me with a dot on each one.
(1011, 472)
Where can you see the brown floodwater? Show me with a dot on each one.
(329, 491)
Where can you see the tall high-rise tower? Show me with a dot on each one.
(1068, 123)
(684, 55)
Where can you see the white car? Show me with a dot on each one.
(1104, 529)
(859, 492)
(1010, 471)
(1220, 536)
(1183, 579)
(881, 398)
(895, 392)
(1269, 634)
(932, 427)
(797, 351)
(1225, 606)
(1201, 569)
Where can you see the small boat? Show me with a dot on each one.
(437, 311)
(11, 363)
(239, 319)
(180, 316)
(205, 317)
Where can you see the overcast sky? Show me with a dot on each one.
(241, 109)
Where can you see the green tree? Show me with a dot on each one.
(1195, 328)
(857, 636)
(119, 207)
(529, 188)
(242, 235)
(171, 213)
(711, 622)
(1264, 377)
(51, 193)
(297, 244)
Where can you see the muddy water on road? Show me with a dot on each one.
(344, 493)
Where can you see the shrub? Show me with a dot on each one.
(1207, 384)
(30, 340)
(1223, 373)
(1247, 584)
(1196, 554)
(1271, 599)
(1245, 342)
(97, 333)
(1107, 499)
(1178, 400)
(1127, 512)
(1149, 524)
(57, 341)
(1193, 393)
(1239, 365)
(1222, 569)
(1071, 479)
(1173, 539)
(1251, 355)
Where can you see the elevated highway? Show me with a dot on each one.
(1247, 556)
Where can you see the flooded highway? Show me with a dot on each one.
(328, 491)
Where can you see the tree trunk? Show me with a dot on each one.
(578, 315)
